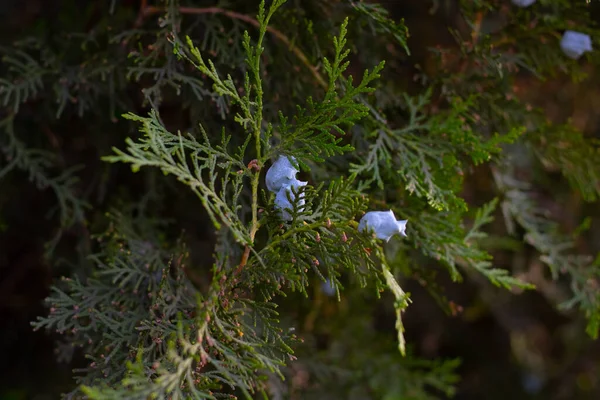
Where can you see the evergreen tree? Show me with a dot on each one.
(187, 279)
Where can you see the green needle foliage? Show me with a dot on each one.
(211, 96)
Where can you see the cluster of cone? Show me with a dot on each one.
(573, 44)
(281, 180)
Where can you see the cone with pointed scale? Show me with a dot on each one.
(283, 204)
(281, 173)
(383, 223)
(574, 44)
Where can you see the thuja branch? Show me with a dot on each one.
(149, 10)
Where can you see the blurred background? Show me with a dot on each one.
(511, 345)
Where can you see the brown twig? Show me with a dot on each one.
(243, 261)
(142, 14)
(148, 10)
(54, 142)
(477, 27)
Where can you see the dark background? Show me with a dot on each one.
(515, 346)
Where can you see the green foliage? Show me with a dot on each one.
(313, 130)
(39, 165)
(169, 152)
(217, 176)
(380, 22)
(153, 329)
(559, 146)
(565, 148)
(394, 376)
(160, 316)
(425, 162)
(544, 235)
(27, 85)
